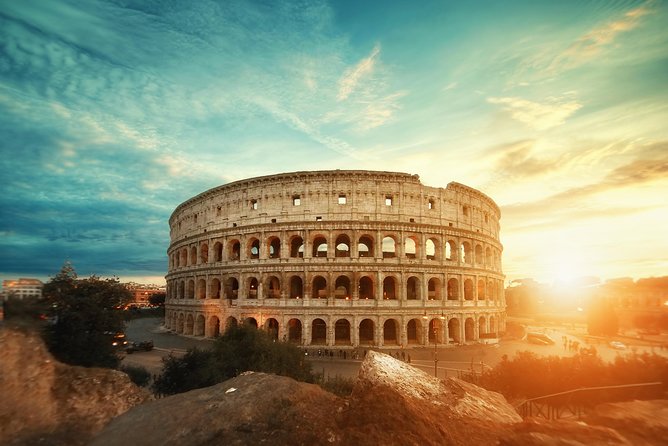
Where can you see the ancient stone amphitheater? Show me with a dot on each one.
(338, 258)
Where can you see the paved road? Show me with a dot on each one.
(451, 359)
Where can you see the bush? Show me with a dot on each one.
(239, 349)
(138, 375)
(338, 385)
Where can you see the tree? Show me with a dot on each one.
(84, 318)
(157, 299)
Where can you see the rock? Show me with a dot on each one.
(543, 432)
(253, 408)
(641, 422)
(50, 403)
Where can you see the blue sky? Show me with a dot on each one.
(114, 112)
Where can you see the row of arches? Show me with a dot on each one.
(363, 286)
(349, 331)
(414, 246)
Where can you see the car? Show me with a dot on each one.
(132, 347)
(617, 345)
(539, 338)
(118, 340)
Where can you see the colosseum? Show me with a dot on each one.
(340, 258)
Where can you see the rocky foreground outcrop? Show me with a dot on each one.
(45, 402)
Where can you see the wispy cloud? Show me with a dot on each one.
(540, 116)
(354, 75)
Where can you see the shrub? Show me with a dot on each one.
(138, 375)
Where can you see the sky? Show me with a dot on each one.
(114, 112)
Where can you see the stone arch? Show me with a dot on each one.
(342, 288)
(468, 289)
(454, 330)
(274, 247)
(412, 288)
(366, 332)
(181, 290)
(492, 325)
(180, 324)
(233, 250)
(482, 326)
(411, 247)
(481, 289)
(184, 257)
(201, 289)
(478, 258)
(190, 325)
(465, 253)
(253, 248)
(318, 332)
(204, 253)
(389, 247)
(296, 247)
(271, 327)
(231, 288)
(342, 246)
(190, 289)
(251, 322)
(295, 331)
(319, 246)
(432, 248)
(252, 288)
(390, 332)
(489, 261)
(200, 325)
(366, 290)
(296, 287)
(193, 255)
(453, 289)
(215, 288)
(231, 322)
(365, 246)
(434, 288)
(213, 327)
(469, 329)
(436, 330)
(319, 288)
(217, 252)
(389, 288)
(342, 332)
(414, 331)
(273, 288)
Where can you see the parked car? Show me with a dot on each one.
(539, 338)
(617, 345)
(145, 346)
(118, 340)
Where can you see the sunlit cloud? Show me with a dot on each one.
(540, 116)
(354, 75)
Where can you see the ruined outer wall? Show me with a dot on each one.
(374, 257)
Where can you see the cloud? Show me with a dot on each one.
(516, 160)
(540, 116)
(353, 76)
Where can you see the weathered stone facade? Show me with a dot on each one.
(338, 258)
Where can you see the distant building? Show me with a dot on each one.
(141, 293)
(22, 288)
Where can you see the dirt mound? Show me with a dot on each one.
(49, 403)
(642, 422)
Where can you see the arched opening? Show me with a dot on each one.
(453, 289)
(431, 249)
(453, 331)
(318, 332)
(274, 247)
(181, 290)
(342, 332)
(296, 287)
(199, 325)
(365, 246)
(201, 289)
(492, 325)
(481, 290)
(469, 330)
(297, 247)
(319, 288)
(184, 257)
(251, 322)
(232, 288)
(434, 285)
(193, 255)
(342, 246)
(190, 325)
(389, 247)
(482, 327)
(435, 331)
(253, 248)
(488, 257)
(231, 322)
(366, 288)
(190, 290)
(273, 288)
(389, 288)
(204, 253)
(366, 332)
(412, 288)
(213, 328)
(233, 250)
(478, 254)
(468, 289)
(414, 332)
(390, 332)
(214, 289)
(271, 327)
(342, 288)
(320, 247)
(252, 288)
(180, 325)
(465, 252)
(295, 331)
(218, 252)
(410, 248)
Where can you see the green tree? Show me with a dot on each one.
(84, 318)
(239, 349)
(157, 299)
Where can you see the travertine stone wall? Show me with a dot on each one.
(345, 258)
